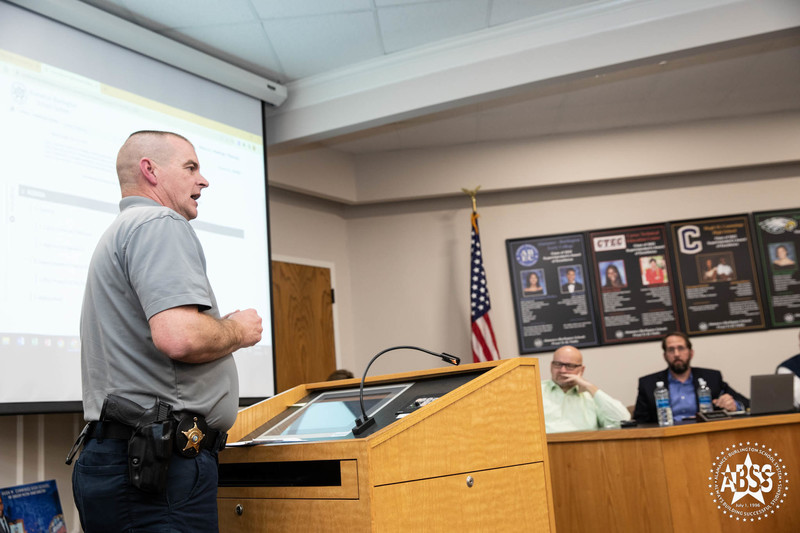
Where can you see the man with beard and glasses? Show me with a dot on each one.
(681, 380)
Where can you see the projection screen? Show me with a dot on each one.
(67, 103)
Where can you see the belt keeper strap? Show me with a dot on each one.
(222, 439)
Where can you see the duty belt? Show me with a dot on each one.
(191, 435)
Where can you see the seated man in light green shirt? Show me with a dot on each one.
(570, 403)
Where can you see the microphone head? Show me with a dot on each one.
(362, 424)
(452, 359)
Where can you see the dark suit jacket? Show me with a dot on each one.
(793, 364)
(645, 410)
(8, 523)
(578, 287)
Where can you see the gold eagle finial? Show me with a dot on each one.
(473, 195)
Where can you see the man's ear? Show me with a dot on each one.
(147, 168)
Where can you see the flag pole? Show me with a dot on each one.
(473, 194)
(484, 343)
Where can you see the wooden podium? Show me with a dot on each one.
(474, 459)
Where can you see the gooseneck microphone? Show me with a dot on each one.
(366, 421)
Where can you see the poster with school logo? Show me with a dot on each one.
(634, 291)
(552, 292)
(778, 237)
(717, 275)
(31, 508)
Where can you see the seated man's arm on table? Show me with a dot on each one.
(190, 336)
(729, 399)
(609, 410)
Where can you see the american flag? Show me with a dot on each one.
(484, 344)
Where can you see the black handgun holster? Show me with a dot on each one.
(149, 454)
(150, 444)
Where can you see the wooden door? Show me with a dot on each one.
(302, 303)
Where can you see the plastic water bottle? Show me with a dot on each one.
(662, 405)
(704, 396)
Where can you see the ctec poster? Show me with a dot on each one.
(634, 289)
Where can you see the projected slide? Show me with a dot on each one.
(59, 139)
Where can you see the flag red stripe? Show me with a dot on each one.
(482, 350)
(491, 332)
(479, 347)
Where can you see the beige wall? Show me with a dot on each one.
(407, 259)
(423, 279)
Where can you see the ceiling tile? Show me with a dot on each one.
(504, 11)
(244, 45)
(308, 46)
(183, 13)
(385, 3)
(407, 26)
(269, 9)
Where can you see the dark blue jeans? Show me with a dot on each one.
(107, 503)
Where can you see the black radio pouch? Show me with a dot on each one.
(150, 444)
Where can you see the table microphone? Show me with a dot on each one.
(366, 421)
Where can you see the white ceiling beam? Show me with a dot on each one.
(511, 58)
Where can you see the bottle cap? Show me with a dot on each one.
(701, 381)
(659, 383)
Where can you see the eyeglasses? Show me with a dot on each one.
(677, 349)
(568, 366)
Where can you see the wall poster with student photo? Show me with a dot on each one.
(717, 275)
(778, 235)
(634, 290)
(552, 297)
